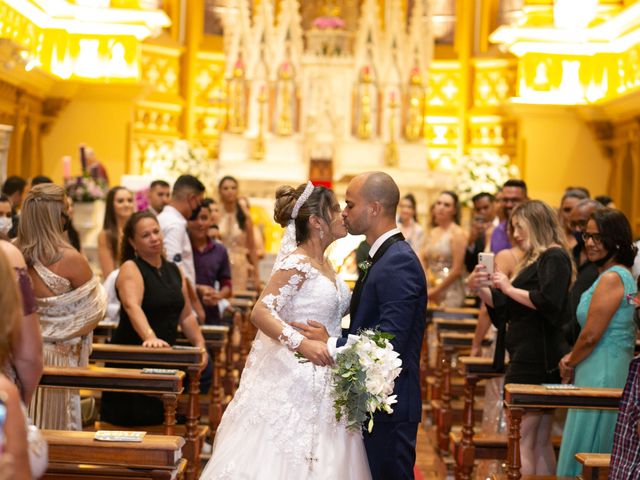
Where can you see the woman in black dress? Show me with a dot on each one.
(152, 292)
(528, 310)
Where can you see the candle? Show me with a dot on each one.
(66, 167)
(83, 160)
(393, 97)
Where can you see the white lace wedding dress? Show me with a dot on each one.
(281, 422)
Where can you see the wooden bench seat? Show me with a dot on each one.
(69, 471)
(449, 344)
(491, 446)
(519, 398)
(455, 324)
(190, 359)
(595, 466)
(154, 451)
(463, 444)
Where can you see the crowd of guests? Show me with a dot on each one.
(163, 267)
(560, 302)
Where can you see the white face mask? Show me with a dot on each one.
(5, 225)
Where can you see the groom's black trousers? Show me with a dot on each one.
(391, 450)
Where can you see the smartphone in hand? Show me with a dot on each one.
(487, 259)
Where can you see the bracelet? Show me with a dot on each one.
(290, 338)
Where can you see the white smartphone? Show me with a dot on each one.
(487, 259)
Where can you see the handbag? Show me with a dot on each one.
(38, 448)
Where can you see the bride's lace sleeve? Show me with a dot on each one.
(285, 282)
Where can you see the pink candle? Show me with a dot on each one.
(66, 166)
(393, 97)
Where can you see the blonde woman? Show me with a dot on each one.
(14, 452)
(533, 306)
(69, 300)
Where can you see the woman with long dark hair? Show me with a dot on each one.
(119, 207)
(443, 254)
(408, 222)
(236, 232)
(154, 298)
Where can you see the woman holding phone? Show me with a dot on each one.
(532, 302)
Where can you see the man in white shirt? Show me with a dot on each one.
(185, 204)
(159, 196)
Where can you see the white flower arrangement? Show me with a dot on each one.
(170, 160)
(482, 172)
(363, 378)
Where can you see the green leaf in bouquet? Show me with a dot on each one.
(370, 424)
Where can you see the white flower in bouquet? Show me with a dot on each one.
(363, 378)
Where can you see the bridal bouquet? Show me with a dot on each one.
(363, 378)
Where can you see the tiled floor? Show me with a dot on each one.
(427, 461)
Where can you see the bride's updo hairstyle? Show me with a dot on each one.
(320, 203)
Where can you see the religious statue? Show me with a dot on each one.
(365, 101)
(415, 104)
(237, 95)
(285, 100)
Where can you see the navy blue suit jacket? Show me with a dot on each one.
(394, 299)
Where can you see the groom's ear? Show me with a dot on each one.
(376, 208)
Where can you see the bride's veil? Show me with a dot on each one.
(289, 243)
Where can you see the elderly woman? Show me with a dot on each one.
(69, 300)
(154, 300)
(14, 452)
(604, 349)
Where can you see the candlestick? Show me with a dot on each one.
(66, 167)
(83, 159)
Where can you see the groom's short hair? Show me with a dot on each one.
(380, 187)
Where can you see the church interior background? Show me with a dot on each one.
(438, 93)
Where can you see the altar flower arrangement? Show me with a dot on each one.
(328, 23)
(170, 160)
(482, 172)
(364, 375)
(85, 188)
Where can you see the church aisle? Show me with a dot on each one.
(428, 464)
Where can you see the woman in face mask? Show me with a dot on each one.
(6, 221)
(604, 348)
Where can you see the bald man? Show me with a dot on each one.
(391, 296)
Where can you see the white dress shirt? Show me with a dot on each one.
(333, 341)
(176, 241)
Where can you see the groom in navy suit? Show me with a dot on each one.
(391, 295)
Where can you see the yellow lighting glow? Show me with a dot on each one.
(80, 42)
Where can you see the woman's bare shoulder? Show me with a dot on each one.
(13, 254)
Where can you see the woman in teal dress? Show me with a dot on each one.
(604, 349)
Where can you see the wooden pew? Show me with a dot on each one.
(518, 398)
(464, 446)
(120, 380)
(77, 455)
(191, 359)
(216, 338)
(595, 466)
(449, 343)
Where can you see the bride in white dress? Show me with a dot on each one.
(281, 422)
